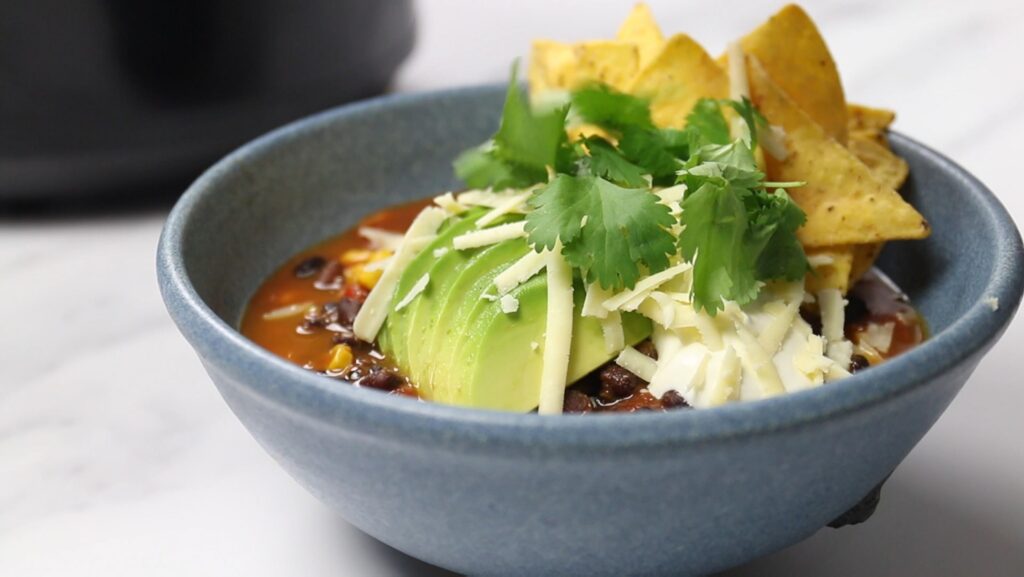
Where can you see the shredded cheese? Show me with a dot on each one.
(558, 335)
(879, 336)
(380, 238)
(592, 303)
(509, 304)
(447, 201)
(440, 251)
(631, 299)
(489, 236)
(414, 291)
(611, 328)
(288, 311)
(520, 271)
(375, 311)
(831, 304)
(513, 203)
(637, 363)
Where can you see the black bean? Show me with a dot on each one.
(647, 348)
(856, 309)
(330, 277)
(618, 383)
(383, 380)
(673, 400)
(858, 363)
(577, 402)
(345, 338)
(309, 267)
(347, 310)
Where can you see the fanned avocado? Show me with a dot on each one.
(466, 287)
(461, 349)
(443, 290)
(497, 362)
(392, 340)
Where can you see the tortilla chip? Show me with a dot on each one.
(558, 66)
(640, 28)
(832, 266)
(680, 75)
(581, 131)
(795, 56)
(888, 168)
(860, 117)
(864, 256)
(844, 202)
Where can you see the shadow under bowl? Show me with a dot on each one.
(491, 493)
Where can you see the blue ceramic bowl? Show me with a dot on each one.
(491, 493)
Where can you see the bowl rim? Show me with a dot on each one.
(279, 383)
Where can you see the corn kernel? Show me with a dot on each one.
(341, 358)
(367, 278)
(354, 256)
(379, 255)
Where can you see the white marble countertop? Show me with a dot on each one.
(117, 457)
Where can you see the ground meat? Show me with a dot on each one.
(612, 388)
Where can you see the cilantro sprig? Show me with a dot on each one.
(596, 198)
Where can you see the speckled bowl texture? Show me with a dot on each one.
(488, 493)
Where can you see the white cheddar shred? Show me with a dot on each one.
(614, 336)
(509, 304)
(375, 311)
(558, 335)
(414, 291)
(626, 299)
(489, 236)
(380, 238)
(637, 363)
(514, 203)
(520, 271)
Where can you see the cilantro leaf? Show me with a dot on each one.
(527, 142)
(480, 167)
(608, 163)
(624, 229)
(706, 124)
(604, 106)
(714, 239)
(751, 115)
(651, 149)
(774, 219)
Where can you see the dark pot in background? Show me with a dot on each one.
(100, 96)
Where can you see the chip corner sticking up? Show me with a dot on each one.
(832, 266)
(681, 74)
(793, 52)
(560, 66)
(641, 29)
(844, 202)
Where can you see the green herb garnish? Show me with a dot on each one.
(597, 200)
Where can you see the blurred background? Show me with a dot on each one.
(117, 457)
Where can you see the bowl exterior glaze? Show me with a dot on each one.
(490, 493)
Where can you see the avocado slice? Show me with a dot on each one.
(495, 366)
(442, 310)
(461, 349)
(392, 338)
